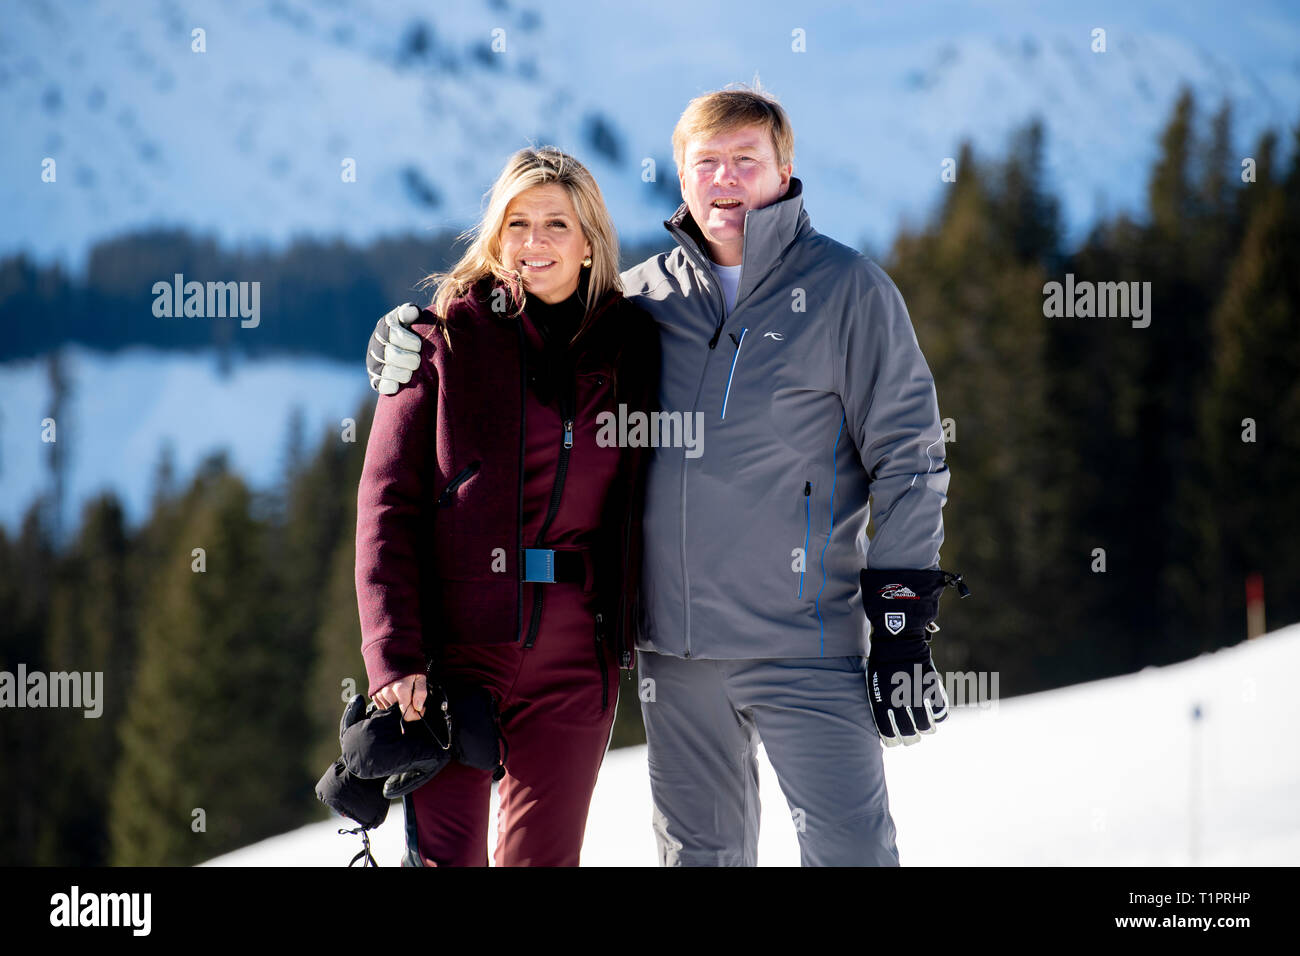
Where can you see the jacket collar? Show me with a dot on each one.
(768, 234)
(484, 291)
(516, 299)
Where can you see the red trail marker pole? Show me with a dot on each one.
(1254, 605)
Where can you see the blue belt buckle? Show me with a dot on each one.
(539, 565)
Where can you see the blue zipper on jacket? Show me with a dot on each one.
(817, 603)
(734, 360)
(807, 527)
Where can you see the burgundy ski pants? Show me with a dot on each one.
(557, 701)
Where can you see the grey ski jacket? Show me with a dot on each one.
(817, 408)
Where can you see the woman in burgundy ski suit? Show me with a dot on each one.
(484, 479)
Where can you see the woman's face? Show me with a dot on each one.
(542, 238)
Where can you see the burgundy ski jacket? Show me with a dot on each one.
(440, 543)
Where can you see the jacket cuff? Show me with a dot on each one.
(386, 664)
(901, 603)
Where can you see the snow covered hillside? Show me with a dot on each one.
(125, 406)
(1113, 772)
(248, 139)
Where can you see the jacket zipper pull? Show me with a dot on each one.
(568, 433)
(807, 488)
(717, 332)
(954, 580)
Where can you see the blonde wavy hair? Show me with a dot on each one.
(529, 167)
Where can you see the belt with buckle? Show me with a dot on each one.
(548, 566)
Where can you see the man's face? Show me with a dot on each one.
(724, 175)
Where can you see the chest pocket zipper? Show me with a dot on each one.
(807, 528)
(466, 473)
(602, 383)
(740, 342)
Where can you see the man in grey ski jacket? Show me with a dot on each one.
(816, 412)
(814, 396)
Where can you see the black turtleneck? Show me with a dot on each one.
(551, 369)
(556, 322)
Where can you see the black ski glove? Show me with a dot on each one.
(470, 717)
(352, 796)
(478, 741)
(437, 722)
(905, 691)
(347, 794)
(383, 744)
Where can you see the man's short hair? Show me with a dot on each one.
(724, 110)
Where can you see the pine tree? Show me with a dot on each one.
(1029, 215)
(338, 670)
(1251, 517)
(214, 718)
(90, 632)
(337, 632)
(1265, 176)
(1096, 393)
(974, 290)
(26, 568)
(1170, 194)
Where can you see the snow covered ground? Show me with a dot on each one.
(1109, 773)
(125, 406)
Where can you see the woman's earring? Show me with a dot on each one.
(586, 263)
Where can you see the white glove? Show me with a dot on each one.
(394, 350)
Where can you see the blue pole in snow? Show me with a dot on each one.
(1194, 785)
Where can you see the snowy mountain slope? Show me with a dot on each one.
(124, 407)
(246, 140)
(1108, 773)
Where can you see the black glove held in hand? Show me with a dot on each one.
(906, 692)
(475, 728)
(342, 791)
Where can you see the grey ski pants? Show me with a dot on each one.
(704, 720)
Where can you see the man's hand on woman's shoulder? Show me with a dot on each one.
(394, 350)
